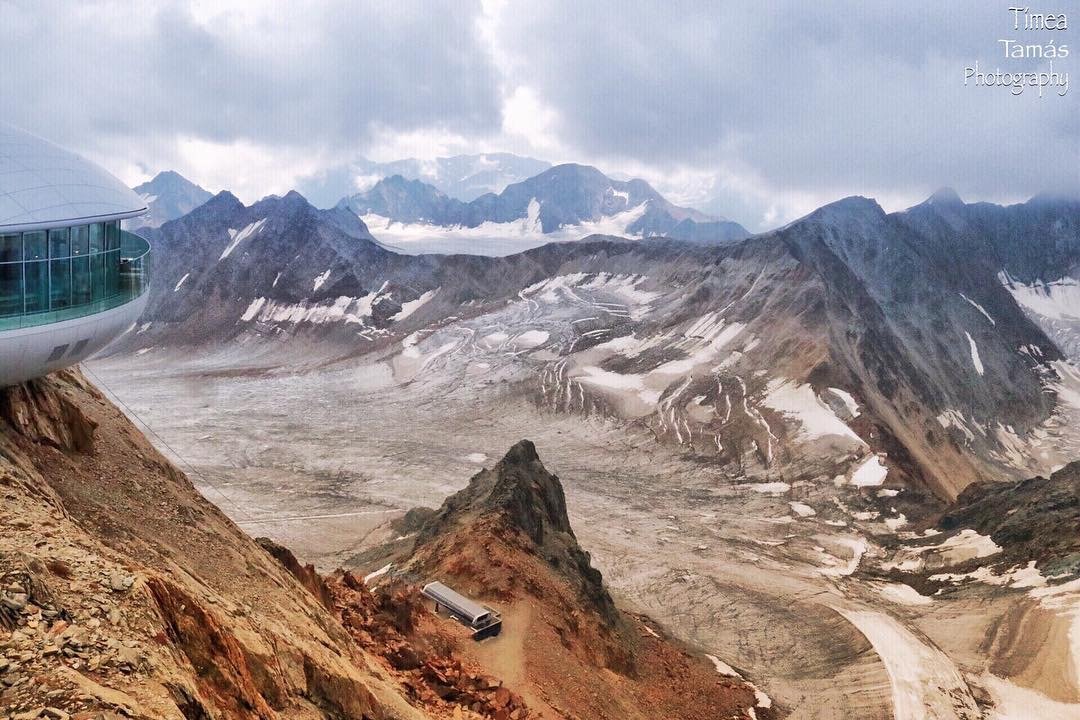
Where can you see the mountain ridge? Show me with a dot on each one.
(462, 177)
(561, 197)
(900, 308)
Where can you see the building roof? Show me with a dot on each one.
(455, 601)
(42, 185)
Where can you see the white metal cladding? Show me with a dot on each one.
(42, 185)
(35, 351)
(456, 602)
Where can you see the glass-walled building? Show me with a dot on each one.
(49, 275)
(70, 279)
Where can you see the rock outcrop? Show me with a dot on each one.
(1037, 518)
(520, 495)
(506, 539)
(124, 593)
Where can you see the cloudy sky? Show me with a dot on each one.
(760, 110)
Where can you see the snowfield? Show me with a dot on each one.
(408, 308)
(320, 280)
(925, 683)
(816, 419)
(1058, 299)
(870, 473)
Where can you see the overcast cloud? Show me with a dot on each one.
(758, 112)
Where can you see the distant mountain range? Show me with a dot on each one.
(169, 196)
(561, 203)
(462, 177)
(565, 202)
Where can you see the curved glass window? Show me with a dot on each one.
(65, 273)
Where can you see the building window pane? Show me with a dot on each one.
(37, 286)
(112, 273)
(80, 280)
(59, 282)
(97, 276)
(11, 289)
(59, 243)
(97, 237)
(112, 235)
(80, 240)
(10, 248)
(34, 246)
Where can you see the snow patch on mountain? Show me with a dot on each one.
(706, 351)
(870, 473)
(951, 418)
(238, 236)
(840, 567)
(531, 338)
(616, 381)
(980, 308)
(902, 594)
(351, 310)
(1068, 386)
(408, 308)
(635, 303)
(846, 399)
(799, 401)
(344, 309)
(966, 545)
(1054, 307)
(975, 359)
(1057, 300)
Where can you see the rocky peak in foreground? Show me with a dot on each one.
(519, 496)
(506, 540)
(520, 488)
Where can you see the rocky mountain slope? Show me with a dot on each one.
(169, 195)
(1035, 520)
(729, 351)
(1032, 249)
(126, 594)
(506, 539)
(224, 255)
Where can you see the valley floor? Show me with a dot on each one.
(777, 577)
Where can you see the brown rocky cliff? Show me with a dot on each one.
(125, 592)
